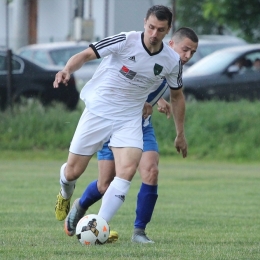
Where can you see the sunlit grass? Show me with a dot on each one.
(204, 211)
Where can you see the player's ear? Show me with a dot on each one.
(171, 43)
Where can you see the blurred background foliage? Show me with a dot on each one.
(238, 17)
(214, 130)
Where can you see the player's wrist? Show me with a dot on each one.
(181, 134)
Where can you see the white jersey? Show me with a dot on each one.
(127, 74)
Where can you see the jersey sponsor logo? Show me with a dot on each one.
(144, 80)
(132, 58)
(157, 69)
(121, 197)
(139, 80)
(127, 72)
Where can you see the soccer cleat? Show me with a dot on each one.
(62, 207)
(71, 221)
(139, 236)
(113, 237)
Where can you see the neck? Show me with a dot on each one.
(152, 48)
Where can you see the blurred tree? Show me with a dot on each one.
(239, 17)
(190, 13)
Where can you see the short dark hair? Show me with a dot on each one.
(161, 12)
(185, 32)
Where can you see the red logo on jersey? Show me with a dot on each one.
(127, 72)
(125, 69)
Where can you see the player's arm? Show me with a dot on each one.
(178, 112)
(147, 110)
(73, 64)
(164, 107)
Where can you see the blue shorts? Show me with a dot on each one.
(149, 142)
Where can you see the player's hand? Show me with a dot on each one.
(147, 110)
(61, 77)
(164, 107)
(181, 145)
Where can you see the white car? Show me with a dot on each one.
(56, 55)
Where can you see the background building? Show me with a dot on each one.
(38, 21)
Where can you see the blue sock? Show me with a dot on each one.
(90, 195)
(146, 200)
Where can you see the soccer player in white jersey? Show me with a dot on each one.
(184, 41)
(133, 66)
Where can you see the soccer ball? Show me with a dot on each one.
(92, 230)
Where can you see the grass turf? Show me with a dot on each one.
(205, 210)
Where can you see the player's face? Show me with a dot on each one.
(185, 48)
(155, 30)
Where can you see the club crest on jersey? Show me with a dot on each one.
(127, 72)
(157, 69)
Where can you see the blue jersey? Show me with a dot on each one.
(157, 94)
(153, 99)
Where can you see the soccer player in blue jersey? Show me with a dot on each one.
(184, 42)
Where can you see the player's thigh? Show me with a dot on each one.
(149, 139)
(106, 167)
(105, 153)
(126, 161)
(126, 143)
(148, 167)
(106, 173)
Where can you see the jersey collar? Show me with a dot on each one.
(151, 54)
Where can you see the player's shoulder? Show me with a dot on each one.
(132, 35)
(171, 52)
(173, 58)
(131, 39)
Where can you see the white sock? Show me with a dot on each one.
(113, 198)
(67, 187)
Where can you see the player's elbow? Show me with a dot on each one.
(176, 95)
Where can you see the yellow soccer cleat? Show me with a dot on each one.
(62, 207)
(113, 237)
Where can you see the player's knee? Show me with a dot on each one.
(127, 172)
(73, 172)
(153, 176)
(150, 175)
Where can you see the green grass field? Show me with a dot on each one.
(205, 210)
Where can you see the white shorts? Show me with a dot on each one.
(93, 131)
